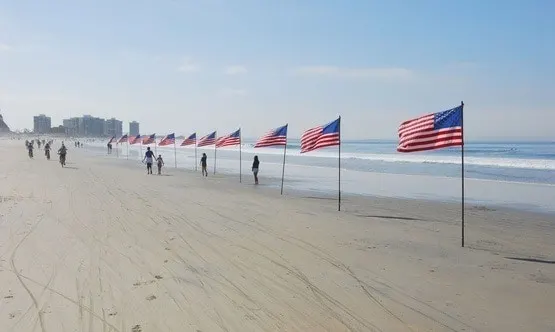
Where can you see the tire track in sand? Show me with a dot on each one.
(20, 279)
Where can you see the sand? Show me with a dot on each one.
(101, 246)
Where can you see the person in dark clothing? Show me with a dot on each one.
(149, 157)
(160, 163)
(255, 165)
(203, 164)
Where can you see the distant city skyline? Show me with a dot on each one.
(259, 65)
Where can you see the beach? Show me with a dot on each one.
(101, 246)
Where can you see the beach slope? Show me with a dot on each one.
(101, 246)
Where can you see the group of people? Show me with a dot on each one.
(30, 145)
(150, 157)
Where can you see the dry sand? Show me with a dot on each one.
(101, 246)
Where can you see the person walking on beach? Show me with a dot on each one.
(30, 150)
(47, 151)
(255, 165)
(160, 163)
(203, 164)
(149, 156)
(62, 152)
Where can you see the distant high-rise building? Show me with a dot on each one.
(86, 125)
(113, 127)
(134, 128)
(91, 126)
(71, 126)
(42, 124)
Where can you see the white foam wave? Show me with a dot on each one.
(539, 164)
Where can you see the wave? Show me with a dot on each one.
(485, 161)
(540, 164)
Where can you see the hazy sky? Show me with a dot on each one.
(200, 65)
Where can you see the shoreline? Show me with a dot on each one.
(454, 198)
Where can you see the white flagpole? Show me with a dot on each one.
(175, 152)
(196, 160)
(462, 176)
(283, 168)
(215, 139)
(339, 167)
(240, 161)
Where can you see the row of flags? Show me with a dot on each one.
(429, 132)
(312, 139)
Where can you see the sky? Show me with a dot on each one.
(188, 66)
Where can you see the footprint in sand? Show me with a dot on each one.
(136, 328)
(158, 277)
(151, 297)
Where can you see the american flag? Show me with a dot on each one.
(277, 136)
(232, 139)
(190, 140)
(135, 140)
(169, 139)
(149, 139)
(112, 139)
(123, 139)
(321, 136)
(432, 131)
(207, 140)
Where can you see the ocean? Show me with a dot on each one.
(512, 174)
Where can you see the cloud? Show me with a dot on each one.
(188, 66)
(233, 92)
(235, 70)
(5, 47)
(365, 72)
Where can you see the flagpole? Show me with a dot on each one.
(240, 162)
(155, 144)
(127, 149)
(174, 152)
(196, 166)
(141, 148)
(117, 150)
(339, 168)
(283, 168)
(215, 139)
(462, 175)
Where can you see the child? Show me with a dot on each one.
(160, 163)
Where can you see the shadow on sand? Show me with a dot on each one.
(532, 260)
(388, 217)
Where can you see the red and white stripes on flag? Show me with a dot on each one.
(321, 136)
(191, 140)
(232, 139)
(276, 137)
(209, 139)
(123, 139)
(432, 131)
